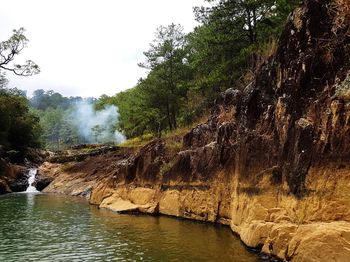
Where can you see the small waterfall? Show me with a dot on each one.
(31, 178)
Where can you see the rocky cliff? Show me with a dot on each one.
(272, 161)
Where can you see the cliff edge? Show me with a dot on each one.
(272, 161)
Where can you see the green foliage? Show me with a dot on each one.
(67, 121)
(19, 128)
(166, 86)
(136, 117)
(157, 102)
(137, 141)
(50, 99)
(187, 72)
(165, 168)
(57, 129)
(229, 40)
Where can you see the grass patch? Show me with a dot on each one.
(165, 168)
(66, 166)
(181, 131)
(172, 137)
(177, 132)
(174, 146)
(137, 141)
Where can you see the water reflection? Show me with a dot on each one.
(30, 200)
(52, 228)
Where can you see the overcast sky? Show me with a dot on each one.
(88, 47)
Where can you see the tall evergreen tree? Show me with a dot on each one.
(166, 85)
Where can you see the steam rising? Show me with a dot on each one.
(97, 126)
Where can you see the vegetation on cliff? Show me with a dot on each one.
(188, 71)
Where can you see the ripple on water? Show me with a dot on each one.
(40, 227)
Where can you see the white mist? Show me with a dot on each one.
(85, 118)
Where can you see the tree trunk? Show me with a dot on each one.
(173, 115)
(169, 116)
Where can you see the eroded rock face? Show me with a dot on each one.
(20, 181)
(272, 161)
(13, 178)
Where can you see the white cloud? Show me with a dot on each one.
(89, 47)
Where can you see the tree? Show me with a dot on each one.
(166, 84)
(3, 80)
(51, 122)
(231, 38)
(58, 128)
(12, 47)
(18, 127)
(97, 130)
(13, 92)
(187, 72)
(43, 100)
(136, 115)
(251, 17)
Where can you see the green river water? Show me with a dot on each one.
(41, 227)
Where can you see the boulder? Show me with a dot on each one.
(42, 181)
(20, 182)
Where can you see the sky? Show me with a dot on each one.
(88, 47)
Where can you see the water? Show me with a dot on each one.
(41, 227)
(31, 179)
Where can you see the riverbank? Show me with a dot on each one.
(314, 228)
(272, 161)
